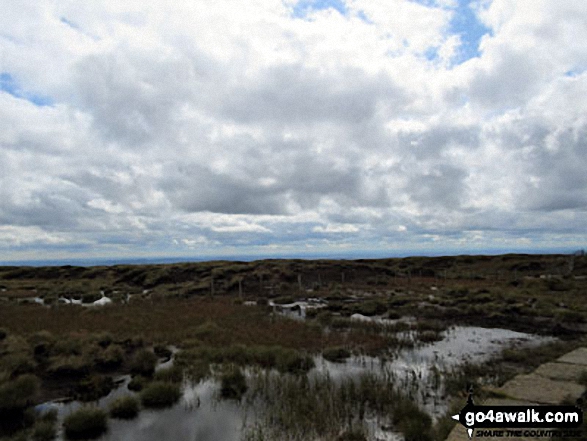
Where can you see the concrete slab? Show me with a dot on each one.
(561, 371)
(578, 356)
(537, 389)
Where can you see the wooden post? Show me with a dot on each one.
(299, 282)
(240, 288)
(342, 278)
(211, 286)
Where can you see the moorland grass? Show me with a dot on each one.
(94, 387)
(173, 374)
(85, 423)
(137, 383)
(126, 408)
(159, 394)
(336, 354)
(233, 384)
(143, 363)
(317, 407)
(277, 357)
(17, 394)
(45, 428)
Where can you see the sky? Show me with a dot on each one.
(282, 127)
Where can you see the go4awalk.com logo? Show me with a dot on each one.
(515, 421)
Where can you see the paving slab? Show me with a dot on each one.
(578, 356)
(550, 383)
(561, 371)
(542, 390)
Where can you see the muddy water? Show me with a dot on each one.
(202, 416)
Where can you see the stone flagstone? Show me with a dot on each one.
(578, 356)
(537, 389)
(561, 371)
(550, 383)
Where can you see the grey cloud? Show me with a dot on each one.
(442, 187)
(294, 94)
(560, 175)
(509, 82)
(53, 210)
(434, 141)
(134, 99)
(195, 188)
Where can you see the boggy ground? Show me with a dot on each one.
(217, 312)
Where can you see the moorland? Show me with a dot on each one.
(259, 331)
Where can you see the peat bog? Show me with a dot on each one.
(276, 349)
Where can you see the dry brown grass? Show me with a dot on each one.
(174, 321)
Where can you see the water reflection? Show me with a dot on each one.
(202, 416)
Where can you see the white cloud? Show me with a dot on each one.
(226, 125)
(330, 228)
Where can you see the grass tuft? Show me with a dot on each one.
(233, 384)
(126, 408)
(86, 423)
(160, 395)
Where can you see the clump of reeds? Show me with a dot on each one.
(233, 384)
(336, 354)
(86, 423)
(126, 407)
(159, 394)
(45, 428)
(144, 362)
(302, 407)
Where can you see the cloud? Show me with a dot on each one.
(330, 228)
(229, 129)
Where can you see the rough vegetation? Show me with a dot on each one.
(126, 408)
(86, 423)
(160, 394)
(219, 315)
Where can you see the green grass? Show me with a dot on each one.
(336, 354)
(19, 393)
(138, 383)
(280, 358)
(233, 384)
(143, 363)
(352, 435)
(94, 387)
(298, 407)
(173, 374)
(85, 423)
(45, 428)
(126, 408)
(160, 395)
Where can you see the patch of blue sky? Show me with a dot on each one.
(303, 7)
(431, 53)
(69, 23)
(9, 85)
(464, 23)
(575, 72)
